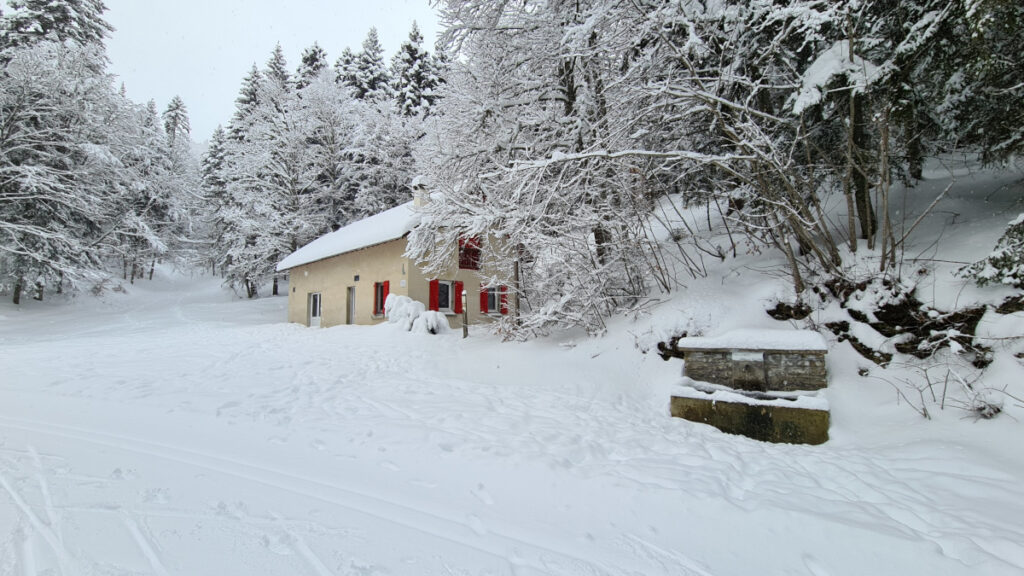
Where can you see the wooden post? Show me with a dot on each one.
(465, 316)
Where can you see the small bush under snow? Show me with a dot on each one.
(431, 322)
(402, 310)
(412, 315)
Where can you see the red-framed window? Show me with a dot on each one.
(493, 300)
(380, 296)
(469, 253)
(446, 296)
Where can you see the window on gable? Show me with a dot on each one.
(469, 253)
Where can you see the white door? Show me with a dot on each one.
(314, 310)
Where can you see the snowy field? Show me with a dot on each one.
(178, 430)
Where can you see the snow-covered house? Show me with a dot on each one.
(345, 277)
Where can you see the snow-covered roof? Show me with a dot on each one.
(386, 226)
(756, 339)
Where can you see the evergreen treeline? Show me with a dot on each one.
(310, 151)
(91, 184)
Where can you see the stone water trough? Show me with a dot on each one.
(764, 384)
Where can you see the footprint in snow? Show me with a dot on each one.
(281, 545)
(156, 496)
(126, 474)
(476, 524)
(481, 493)
(226, 406)
(814, 566)
(389, 465)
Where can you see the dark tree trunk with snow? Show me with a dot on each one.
(861, 189)
(19, 283)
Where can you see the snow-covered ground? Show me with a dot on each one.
(178, 430)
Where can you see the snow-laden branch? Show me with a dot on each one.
(561, 158)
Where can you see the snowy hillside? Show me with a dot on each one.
(177, 430)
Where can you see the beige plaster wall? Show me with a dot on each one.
(332, 277)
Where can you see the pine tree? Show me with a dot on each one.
(371, 80)
(413, 76)
(176, 123)
(245, 104)
(344, 68)
(276, 69)
(31, 21)
(314, 61)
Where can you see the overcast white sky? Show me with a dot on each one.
(201, 49)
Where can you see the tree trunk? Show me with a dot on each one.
(915, 159)
(602, 238)
(18, 284)
(274, 290)
(152, 265)
(40, 287)
(865, 211)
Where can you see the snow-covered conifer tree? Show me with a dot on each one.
(314, 61)
(414, 79)
(176, 123)
(371, 81)
(30, 21)
(344, 68)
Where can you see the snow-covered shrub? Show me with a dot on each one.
(402, 310)
(1005, 265)
(430, 322)
(412, 315)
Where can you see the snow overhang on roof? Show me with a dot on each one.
(384, 227)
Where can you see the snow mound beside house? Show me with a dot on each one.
(431, 322)
(402, 310)
(412, 316)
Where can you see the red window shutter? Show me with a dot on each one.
(504, 299)
(458, 298)
(386, 291)
(376, 304)
(483, 298)
(433, 295)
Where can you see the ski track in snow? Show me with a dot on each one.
(392, 511)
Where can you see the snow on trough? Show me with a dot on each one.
(762, 339)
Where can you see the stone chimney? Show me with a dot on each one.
(420, 194)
